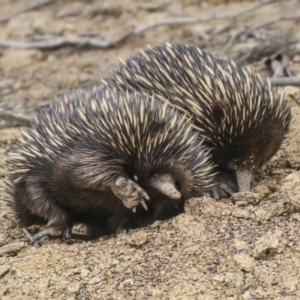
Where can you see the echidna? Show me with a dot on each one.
(93, 157)
(237, 112)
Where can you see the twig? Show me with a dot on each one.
(183, 21)
(16, 116)
(277, 45)
(13, 247)
(159, 7)
(255, 27)
(99, 43)
(283, 81)
(67, 41)
(232, 39)
(32, 6)
(271, 21)
(9, 125)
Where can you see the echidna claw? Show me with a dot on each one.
(222, 191)
(225, 185)
(215, 193)
(144, 204)
(134, 209)
(144, 194)
(228, 189)
(67, 234)
(30, 237)
(41, 234)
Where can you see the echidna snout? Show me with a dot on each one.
(166, 185)
(244, 180)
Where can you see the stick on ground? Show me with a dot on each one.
(32, 6)
(266, 23)
(284, 81)
(7, 114)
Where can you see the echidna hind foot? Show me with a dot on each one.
(77, 236)
(52, 231)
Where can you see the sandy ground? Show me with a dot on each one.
(246, 247)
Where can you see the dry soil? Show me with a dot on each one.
(246, 247)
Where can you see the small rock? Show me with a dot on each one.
(94, 280)
(247, 296)
(262, 191)
(240, 245)
(230, 279)
(259, 293)
(241, 213)
(266, 244)
(188, 225)
(296, 217)
(227, 212)
(291, 284)
(245, 262)
(137, 238)
(126, 282)
(115, 262)
(205, 205)
(244, 198)
(269, 211)
(74, 288)
(293, 162)
(290, 192)
(84, 273)
(156, 292)
(228, 266)
(156, 224)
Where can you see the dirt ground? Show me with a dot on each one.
(246, 247)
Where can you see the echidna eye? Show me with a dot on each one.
(155, 177)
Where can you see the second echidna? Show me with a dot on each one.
(93, 157)
(237, 112)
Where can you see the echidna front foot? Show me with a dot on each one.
(130, 193)
(224, 192)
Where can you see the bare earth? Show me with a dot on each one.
(246, 247)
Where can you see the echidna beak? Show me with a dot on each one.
(243, 180)
(168, 189)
